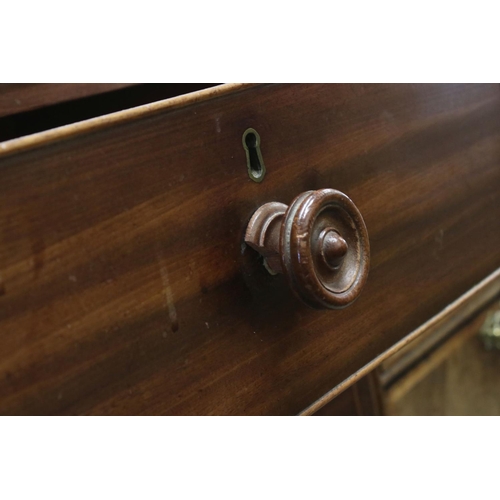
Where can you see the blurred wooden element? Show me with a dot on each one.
(437, 332)
(490, 331)
(405, 353)
(21, 97)
(459, 377)
(126, 287)
(448, 375)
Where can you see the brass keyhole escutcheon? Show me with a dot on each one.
(255, 163)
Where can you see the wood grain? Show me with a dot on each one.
(125, 285)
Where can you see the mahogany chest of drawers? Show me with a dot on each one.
(126, 285)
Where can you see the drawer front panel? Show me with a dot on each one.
(126, 286)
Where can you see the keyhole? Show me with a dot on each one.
(255, 163)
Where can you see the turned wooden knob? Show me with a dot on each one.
(319, 243)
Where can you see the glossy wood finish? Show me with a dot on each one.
(125, 286)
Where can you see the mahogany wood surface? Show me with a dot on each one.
(21, 97)
(125, 284)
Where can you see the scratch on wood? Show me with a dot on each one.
(38, 249)
(169, 299)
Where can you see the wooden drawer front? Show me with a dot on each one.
(125, 285)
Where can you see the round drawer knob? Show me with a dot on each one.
(319, 243)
